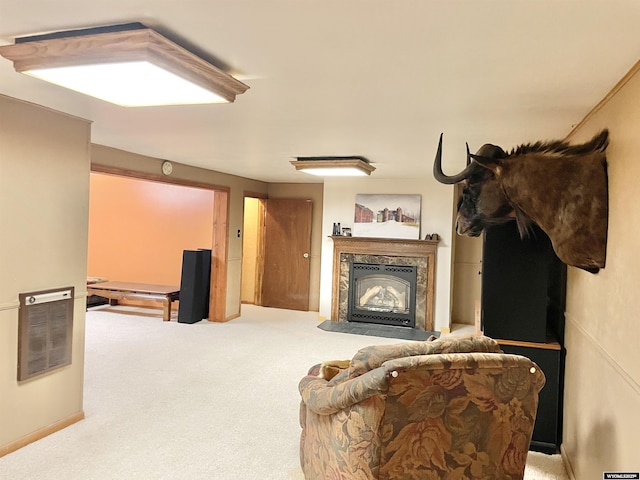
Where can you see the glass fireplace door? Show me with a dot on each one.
(382, 294)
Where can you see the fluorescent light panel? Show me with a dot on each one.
(129, 84)
(335, 172)
(334, 166)
(129, 65)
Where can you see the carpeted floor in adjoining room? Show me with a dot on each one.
(211, 401)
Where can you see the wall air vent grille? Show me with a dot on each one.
(45, 331)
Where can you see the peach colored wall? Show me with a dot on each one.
(138, 229)
(236, 186)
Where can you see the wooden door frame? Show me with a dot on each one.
(219, 253)
(220, 241)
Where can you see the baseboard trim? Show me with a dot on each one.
(232, 317)
(40, 433)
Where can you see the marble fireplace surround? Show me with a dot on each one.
(388, 251)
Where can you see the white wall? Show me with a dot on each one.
(437, 214)
(602, 381)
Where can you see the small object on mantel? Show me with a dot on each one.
(432, 236)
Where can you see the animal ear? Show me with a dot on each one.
(489, 163)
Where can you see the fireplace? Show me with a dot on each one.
(383, 294)
(395, 254)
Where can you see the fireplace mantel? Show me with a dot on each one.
(390, 247)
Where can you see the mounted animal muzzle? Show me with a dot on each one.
(481, 202)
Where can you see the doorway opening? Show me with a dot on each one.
(252, 251)
(277, 252)
(213, 223)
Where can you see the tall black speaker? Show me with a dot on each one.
(518, 276)
(192, 291)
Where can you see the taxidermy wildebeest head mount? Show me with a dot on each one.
(561, 188)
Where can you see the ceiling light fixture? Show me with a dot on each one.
(354, 166)
(129, 65)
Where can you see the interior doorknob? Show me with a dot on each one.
(306, 255)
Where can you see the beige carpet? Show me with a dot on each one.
(202, 401)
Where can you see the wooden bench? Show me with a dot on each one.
(116, 291)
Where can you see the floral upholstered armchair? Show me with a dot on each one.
(453, 408)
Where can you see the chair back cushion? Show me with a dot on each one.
(459, 416)
(372, 357)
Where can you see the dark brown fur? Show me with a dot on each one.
(560, 187)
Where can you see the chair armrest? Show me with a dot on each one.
(324, 399)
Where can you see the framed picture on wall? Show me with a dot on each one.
(387, 216)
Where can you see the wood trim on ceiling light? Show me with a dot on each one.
(141, 44)
(335, 163)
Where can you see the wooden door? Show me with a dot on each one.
(285, 280)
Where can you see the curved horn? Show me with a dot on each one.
(446, 179)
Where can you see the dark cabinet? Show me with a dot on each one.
(523, 303)
(547, 432)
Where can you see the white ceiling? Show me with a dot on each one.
(378, 78)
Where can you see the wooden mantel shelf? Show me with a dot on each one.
(391, 247)
(384, 246)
